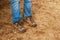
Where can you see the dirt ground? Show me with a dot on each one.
(47, 16)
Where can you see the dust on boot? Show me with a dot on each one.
(31, 22)
(20, 28)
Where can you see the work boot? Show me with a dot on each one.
(20, 28)
(31, 21)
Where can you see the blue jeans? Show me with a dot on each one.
(16, 14)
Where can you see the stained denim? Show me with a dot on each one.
(16, 14)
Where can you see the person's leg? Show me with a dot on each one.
(28, 12)
(16, 14)
(27, 8)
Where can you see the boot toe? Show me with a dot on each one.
(23, 31)
(34, 25)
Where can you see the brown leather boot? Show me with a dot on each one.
(31, 22)
(20, 28)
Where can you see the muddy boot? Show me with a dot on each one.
(20, 28)
(31, 22)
